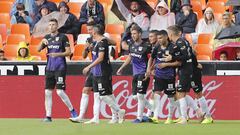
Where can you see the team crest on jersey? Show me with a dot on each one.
(140, 48)
(57, 38)
(101, 48)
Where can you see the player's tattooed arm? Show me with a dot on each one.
(127, 61)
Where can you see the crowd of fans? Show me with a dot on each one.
(167, 13)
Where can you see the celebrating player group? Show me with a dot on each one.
(165, 55)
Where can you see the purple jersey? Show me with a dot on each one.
(139, 55)
(56, 44)
(104, 68)
(158, 54)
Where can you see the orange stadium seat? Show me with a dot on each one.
(204, 38)
(217, 6)
(117, 39)
(196, 6)
(21, 29)
(189, 38)
(114, 28)
(1, 42)
(204, 49)
(75, 8)
(9, 0)
(5, 6)
(152, 1)
(10, 51)
(77, 54)
(203, 57)
(14, 39)
(55, 1)
(3, 32)
(5, 19)
(84, 29)
(34, 52)
(108, 2)
(202, 2)
(35, 41)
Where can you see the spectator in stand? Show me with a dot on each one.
(208, 24)
(39, 3)
(236, 12)
(92, 11)
(223, 56)
(162, 18)
(135, 15)
(226, 23)
(43, 11)
(2, 57)
(21, 16)
(71, 24)
(23, 53)
(237, 54)
(187, 19)
(29, 6)
(174, 5)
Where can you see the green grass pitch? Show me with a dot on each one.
(65, 127)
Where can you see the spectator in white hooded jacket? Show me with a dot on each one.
(162, 18)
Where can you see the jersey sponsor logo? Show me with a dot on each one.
(53, 47)
(136, 55)
(57, 38)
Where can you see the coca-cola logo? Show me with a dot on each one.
(123, 95)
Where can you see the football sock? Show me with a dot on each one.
(141, 104)
(171, 107)
(96, 106)
(48, 102)
(83, 105)
(191, 103)
(156, 105)
(65, 99)
(183, 107)
(114, 113)
(203, 104)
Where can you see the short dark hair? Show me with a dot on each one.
(20, 6)
(136, 28)
(224, 52)
(156, 32)
(163, 32)
(1, 51)
(99, 29)
(175, 29)
(53, 20)
(91, 24)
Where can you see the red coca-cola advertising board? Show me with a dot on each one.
(23, 97)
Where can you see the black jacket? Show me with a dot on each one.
(188, 23)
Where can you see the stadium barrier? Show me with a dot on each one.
(22, 91)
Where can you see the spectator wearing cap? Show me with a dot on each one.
(135, 15)
(187, 19)
(21, 16)
(162, 18)
(92, 11)
(43, 11)
(39, 3)
(71, 24)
